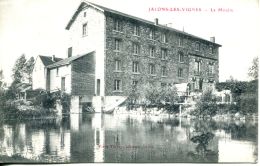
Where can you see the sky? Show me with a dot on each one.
(37, 27)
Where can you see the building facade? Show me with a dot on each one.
(131, 50)
(39, 73)
(123, 51)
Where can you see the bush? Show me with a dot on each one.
(150, 95)
(248, 104)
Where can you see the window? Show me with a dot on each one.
(117, 65)
(180, 42)
(197, 46)
(181, 57)
(163, 53)
(85, 14)
(152, 34)
(163, 71)
(118, 25)
(136, 48)
(98, 87)
(134, 83)
(135, 67)
(117, 44)
(57, 71)
(117, 85)
(151, 69)
(85, 29)
(211, 69)
(69, 52)
(151, 51)
(197, 67)
(163, 38)
(136, 30)
(211, 50)
(180, 72)
(62, 83)
(163, 84)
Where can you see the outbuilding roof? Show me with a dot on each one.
(108, 10)
(67, 61)
(47, 60)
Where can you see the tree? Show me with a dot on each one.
(207, 105)
(18, 69)
(1, 79)
(28, 68)
(253, 70)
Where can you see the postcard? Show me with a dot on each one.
(132, 81)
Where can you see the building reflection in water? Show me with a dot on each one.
(99, 137)
(7, 143)
(76, 117)
(114, 138)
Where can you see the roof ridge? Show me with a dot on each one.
(132, 17)
(67, 60)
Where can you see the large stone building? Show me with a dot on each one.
(130, 50)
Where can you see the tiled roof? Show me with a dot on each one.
(47, 60)
(129, 16)
(66, 61)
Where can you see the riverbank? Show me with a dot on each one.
(22, 110)
(185, 113)
(15, 159)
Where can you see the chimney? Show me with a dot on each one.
(212, 39)
(156, 21)
(53, 58)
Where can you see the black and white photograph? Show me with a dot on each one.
(129, 81)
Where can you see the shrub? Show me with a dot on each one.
(248, 104)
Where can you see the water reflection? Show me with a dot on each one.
(129, 138)
(99, 138)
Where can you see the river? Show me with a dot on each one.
(128, 138)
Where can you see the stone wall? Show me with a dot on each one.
(171, 62)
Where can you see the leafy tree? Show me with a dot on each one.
(253, 70)
(207, 105)
(18, 69)
(28, 68)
